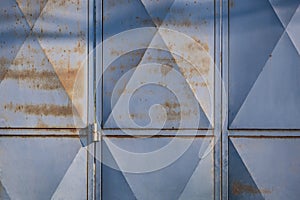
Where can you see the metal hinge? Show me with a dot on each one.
(96, 134)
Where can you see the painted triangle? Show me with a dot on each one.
(36, 158)
(11, 41)
(196, 189)
(273, 100)
(196, 67)
(31, 9)
(115, 185)
(3, 193)
(285, 9)
(246, 63)
(165, 183)
(158, 10)
(293, 30)
(32, 75)
(74, 180)
(241, 184)
(133, 15)
(65, 45)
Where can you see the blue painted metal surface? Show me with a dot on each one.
(42, 167)
(158, 62)
(43, 99)
(149, 73)
(264, 84)
(261, 68)
(264, 168)
(43, 73)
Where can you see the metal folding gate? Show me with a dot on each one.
(142, 99)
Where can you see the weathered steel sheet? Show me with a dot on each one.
(264, 64)
(264, 168)
(189, 177)
(42, 168)
(43, 82)
(169, 64)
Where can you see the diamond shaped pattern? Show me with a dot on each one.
(160, 15)
(251, 82)
(43, 59)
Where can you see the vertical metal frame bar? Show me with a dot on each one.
(98, 98)
(91, 98)
(218, 102)
(224, 55)
(90, 101)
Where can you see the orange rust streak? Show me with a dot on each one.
(239, 188)
(46, 80)
(41, 109)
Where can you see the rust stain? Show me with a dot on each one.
(3, 67)
(41, 109)
(171, 108)
(112, 68)
(179, 23)
(79, 88)
(231, 3)
(240, 188)
(80, 48)
(202, 60)
(42, 124)
(4, 61)
(204, 45)
(68, 78)
(165, 69)
(116, 53)
(45, 80)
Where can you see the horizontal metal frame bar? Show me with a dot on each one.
(264, 133)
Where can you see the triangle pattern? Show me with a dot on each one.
(158, 11)
(67, 53)
(268, 95)
(195, 189)
(115, 72)
(258, 156)
(35, 158)
(241, 183)
(165, 183)
(3, 193)
(116, 186)
(293, 29)
(12, 35)
(197, 68)
(32, 75)
(159, 52)
(249, 62)
(136, 16)
(73, 184)
(285, 9)
(31, 9)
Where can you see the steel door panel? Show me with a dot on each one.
(43, 53)
(264, 168)
(40, 167)
(263, 64)
(189, 177)
(194, 20)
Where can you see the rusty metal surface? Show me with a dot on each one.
(43, 81)
(194, 21)
(264, 168)
(173, 45)
(261, 68)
